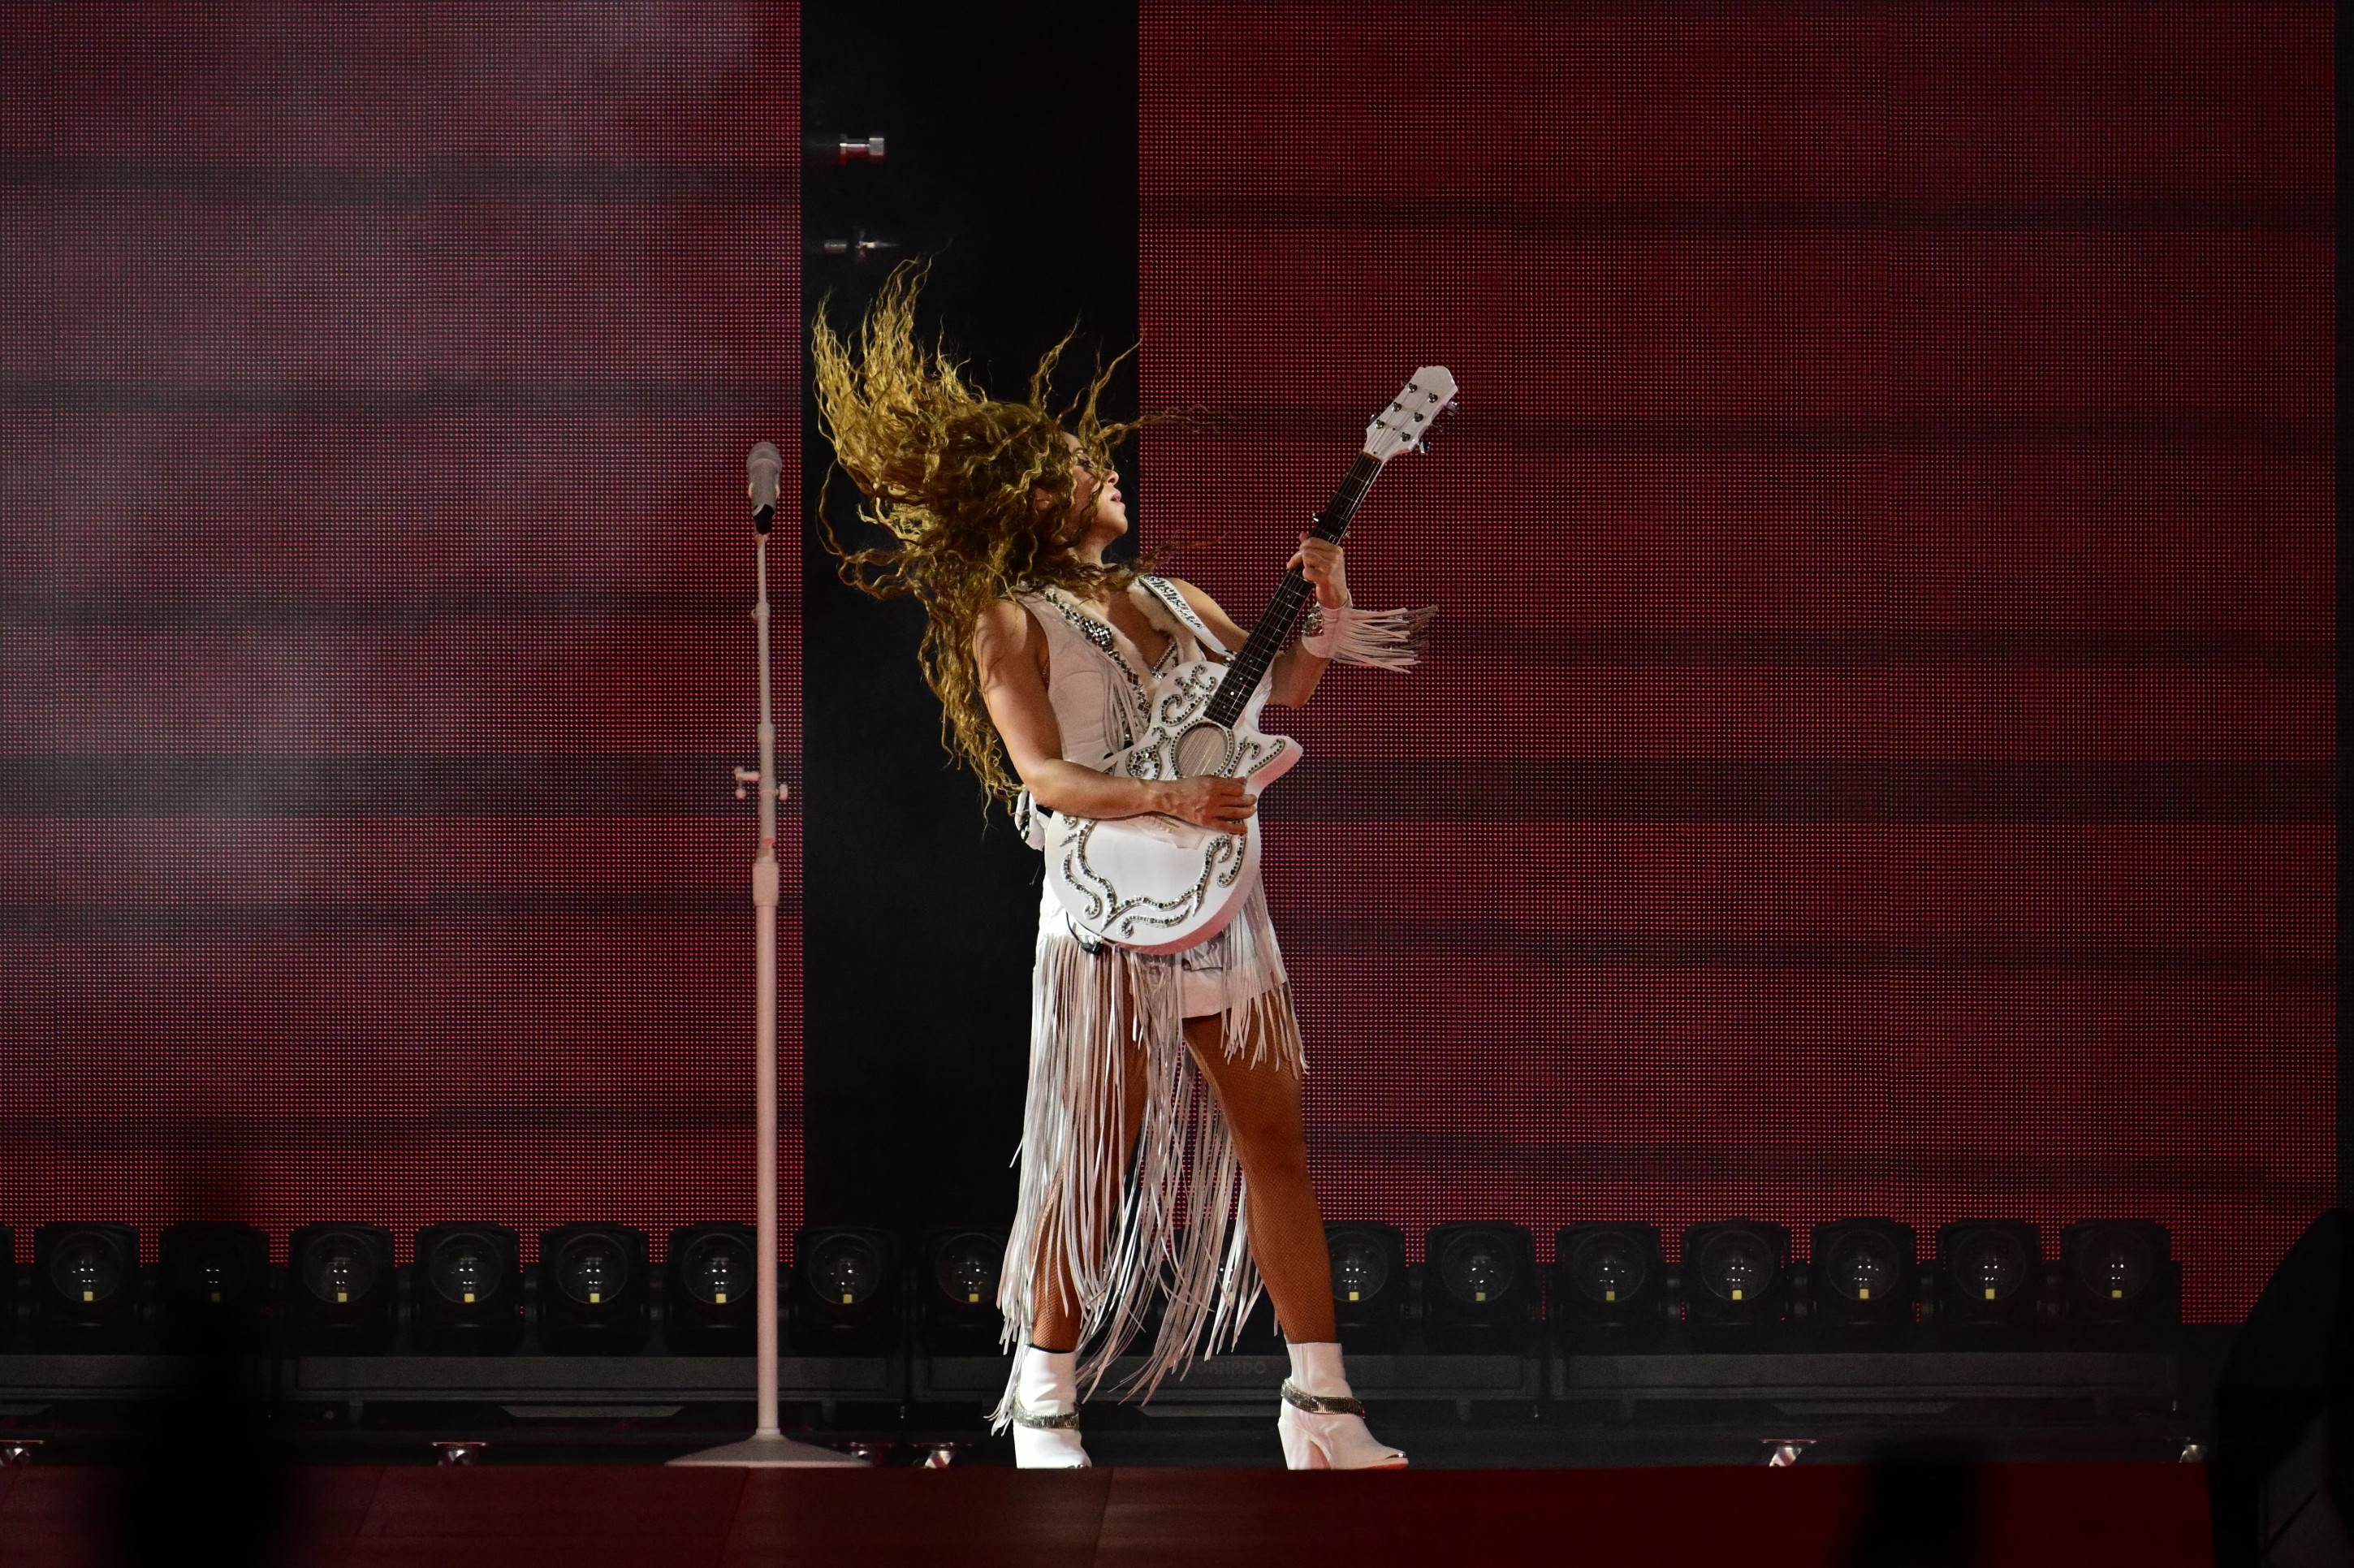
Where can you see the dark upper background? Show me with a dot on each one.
(1013, 163)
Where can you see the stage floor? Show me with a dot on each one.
(2150, 1515)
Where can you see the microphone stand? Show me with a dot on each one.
(767, 1447)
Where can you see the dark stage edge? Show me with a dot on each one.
(1450, 1412)
(2153, 1516)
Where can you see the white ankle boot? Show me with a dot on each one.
(1321, 1424)
(1046, 1411)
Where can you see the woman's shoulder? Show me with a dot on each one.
(1009, 623)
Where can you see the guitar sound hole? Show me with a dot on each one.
(1201, 750)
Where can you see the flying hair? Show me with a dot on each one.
(949, 473)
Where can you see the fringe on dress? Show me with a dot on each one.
(1116, 1224)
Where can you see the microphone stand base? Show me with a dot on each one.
(769, 1454)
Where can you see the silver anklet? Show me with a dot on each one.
(1030, 1418)
(1320, 1403)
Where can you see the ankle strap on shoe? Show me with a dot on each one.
(1320, 1403)
(1032, 1418)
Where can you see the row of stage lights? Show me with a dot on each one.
(858, 1290)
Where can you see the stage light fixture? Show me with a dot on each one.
(1609, 1280)
(1859, 1275)
(213, 1288)
(466, 1290)
(1368, 1278)
(1479, 1283)
(711, 1290)
(1989, 1273)
(595, 1297)
(957, 1313)
(1735, 1274)
(342, 1295)
(2120, 1274)
(86, 1288)
(845, 1292)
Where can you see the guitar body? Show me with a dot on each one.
(1156, 883)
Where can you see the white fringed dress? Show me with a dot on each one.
(1090, 1000)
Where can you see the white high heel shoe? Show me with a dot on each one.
(1046, 1412)
(1325, 1429)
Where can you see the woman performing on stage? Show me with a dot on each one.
(1045, 655)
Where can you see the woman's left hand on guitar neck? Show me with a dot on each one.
(1295, 673)
(1320, 562)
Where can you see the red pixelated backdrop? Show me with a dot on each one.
(375, 575)
(1878, 750)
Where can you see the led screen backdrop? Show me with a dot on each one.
(1877, 755)
(373, 578)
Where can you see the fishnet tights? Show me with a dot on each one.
(1262, 1107)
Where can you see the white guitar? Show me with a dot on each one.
(1160, 883)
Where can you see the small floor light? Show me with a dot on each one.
(710, 1296)
(213, 1288)
(1479, 1283)
(1989, 1273)
(957, 1313)
(466, 1290)
(86, 1288)
(1369, 1280)
(845, 1291)
(1609, 1281)
(2120, 1275)
(342, 1295)
(1735, 1274)
(594, 1295)
(1861, 1275)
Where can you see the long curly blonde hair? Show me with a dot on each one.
(948, 472)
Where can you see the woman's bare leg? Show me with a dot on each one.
(1262, 1107)
(1054, 1311)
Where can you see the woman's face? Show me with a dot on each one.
(1098, 514)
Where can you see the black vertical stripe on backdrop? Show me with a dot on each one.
(1012, 162)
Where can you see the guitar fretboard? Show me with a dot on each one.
(1292, 596)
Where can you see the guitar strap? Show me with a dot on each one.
(1167, 593)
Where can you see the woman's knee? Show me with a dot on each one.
(1262, 1108)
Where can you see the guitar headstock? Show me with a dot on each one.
(1407, 423)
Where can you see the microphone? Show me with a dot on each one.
(760, 471)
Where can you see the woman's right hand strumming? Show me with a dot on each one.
(1225, 804)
